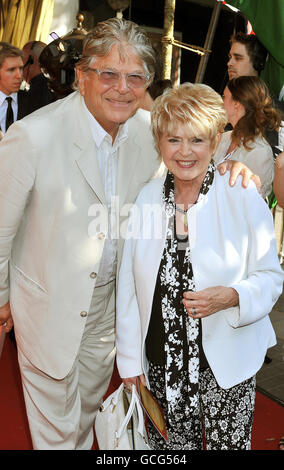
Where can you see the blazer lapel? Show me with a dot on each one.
(85, 148)
(22, 104)
(129, 153)
(89, 167)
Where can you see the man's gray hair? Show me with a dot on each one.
(106, 34)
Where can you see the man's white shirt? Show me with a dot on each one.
(108, 154)
(4, 106)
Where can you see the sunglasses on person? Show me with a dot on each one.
(112, 77)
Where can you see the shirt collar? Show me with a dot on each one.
(14, 96)
(99, 134)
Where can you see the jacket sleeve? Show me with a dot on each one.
(17, 174)
(260, 161)
(259, 291)
(128, 325)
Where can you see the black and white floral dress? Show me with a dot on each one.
(179, 374)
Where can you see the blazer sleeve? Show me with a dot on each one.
(17, 175)
(128, 325)
(259, 291)
(260, 161)
(263, 166)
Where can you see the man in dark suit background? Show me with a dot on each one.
(39, 94)
(12, 99)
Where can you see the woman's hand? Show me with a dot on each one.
(238, 168)
(6, 317)
(133, 380)
(208, 301)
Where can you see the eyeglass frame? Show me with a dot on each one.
(126, 75)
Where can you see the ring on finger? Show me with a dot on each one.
(194, 312)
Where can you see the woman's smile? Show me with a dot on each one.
(186, 163)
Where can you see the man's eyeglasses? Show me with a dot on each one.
(111, 78)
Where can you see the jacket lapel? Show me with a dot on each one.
(22, 104)
(85, 149)
(89, 167)
(129, 153)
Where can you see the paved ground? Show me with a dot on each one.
(270, 379)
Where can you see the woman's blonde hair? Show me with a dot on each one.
(196, 106)
(260, 114)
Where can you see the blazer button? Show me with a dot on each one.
(93, 275)
(101, 236)
(83, 314)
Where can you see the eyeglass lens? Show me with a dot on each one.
(132, 79)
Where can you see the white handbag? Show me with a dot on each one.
(119, 423)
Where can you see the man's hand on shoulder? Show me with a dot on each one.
(238, 168)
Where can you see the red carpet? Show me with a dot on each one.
(14, 432)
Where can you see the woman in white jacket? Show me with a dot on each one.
(198, 278)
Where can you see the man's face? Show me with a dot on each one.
(11, 75)
(113, 104)
(239, 63)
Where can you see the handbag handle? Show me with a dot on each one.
(112, 399)
(134, 402)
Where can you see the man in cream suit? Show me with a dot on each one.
(61, 169)
(58, 167)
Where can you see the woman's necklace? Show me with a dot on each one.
(184, 215)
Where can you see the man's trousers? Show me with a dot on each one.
(61, 413)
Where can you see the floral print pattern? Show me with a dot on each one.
(176, 321)
(227, 415)
(187, 395)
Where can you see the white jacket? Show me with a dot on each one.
(232, 242)
(259, 159)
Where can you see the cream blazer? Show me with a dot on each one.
(49, 183)
(259, 159)
(231, 235)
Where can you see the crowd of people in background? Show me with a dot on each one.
(18, 66)
(183, 313)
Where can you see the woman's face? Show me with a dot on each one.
(187, 156)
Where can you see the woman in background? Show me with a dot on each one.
(251, 113)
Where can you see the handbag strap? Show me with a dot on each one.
(113, 398)
(133, 403)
